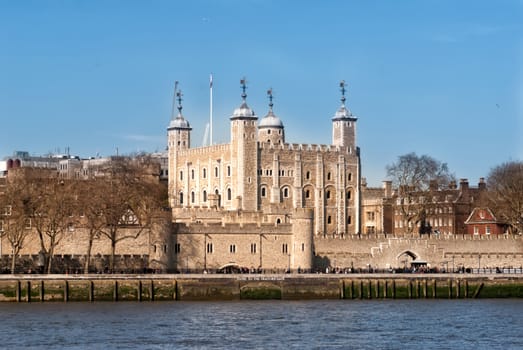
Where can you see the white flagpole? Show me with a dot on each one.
(210, 123)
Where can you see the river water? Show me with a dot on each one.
(336, 324)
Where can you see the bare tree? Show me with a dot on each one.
(132, 194)
(15, 223)
(415, 177)
(505, 185)
(52, 205)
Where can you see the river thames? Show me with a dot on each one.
(328, 324)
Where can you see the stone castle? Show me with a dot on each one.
(259, 201)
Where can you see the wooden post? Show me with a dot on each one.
(410, 289)
(385, 287)
(361, 289)
(369, 291)
(377, 289)
(393, 289)
(342, 289)
(139, 296)
(449, 282)
(41, 291)
(28, 290)
(66, 290)
(466, 288)
(425, 289)
(458, 289)
(115, 291)
(91, 291)
(152, 290)
(434, 291)
(18, 291)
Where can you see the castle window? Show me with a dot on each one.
(216, 172)
(204, 195)
(204, 171)
(278, 221)
(228, 170)
(370, 216)
(328, 194)
(328, 176)
(269, 132)
(348, 194)
(192, 197)
(181, 175)
(181, 197)
(284, 248)
(286, 192)
(349, 177)
(253, 248)
(232, 248)
(349, 220)
(308, 175)
(229, 194)
(307, 194)
(279, 132)
(177, 248)
(263, 192)
(192, 174)
(210, 248)
(329, 219)
(303, 247)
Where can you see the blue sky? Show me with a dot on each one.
(443, 78)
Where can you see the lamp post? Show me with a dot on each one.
(479, 262)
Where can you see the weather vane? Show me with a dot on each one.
(269, 93)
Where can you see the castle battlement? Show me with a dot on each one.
(321, 148)
(204, 150)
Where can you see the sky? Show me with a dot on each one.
(437, 77)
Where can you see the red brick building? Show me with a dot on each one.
(483, 222)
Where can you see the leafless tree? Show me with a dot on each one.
(415, 177)
(505, 185)
(15, 222)
(131, 195)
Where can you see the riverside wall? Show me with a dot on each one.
(89, 288)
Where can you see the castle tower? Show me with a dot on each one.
(270, 129)
(302, 241)
(244, 156)
(344, 125)
(179, 138)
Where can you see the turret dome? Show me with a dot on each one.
(271, 121)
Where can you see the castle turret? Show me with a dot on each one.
(344, 125)
(302, 239)
(270, 129)
(244, 157)
(179, 138)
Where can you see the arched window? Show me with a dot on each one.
(308, 175)
(286, 192)
(278, 221)
(204, 173)
(192, 174)
(307, 194)
(204, 195)
(181, 175)
(229, 194)
(181, 197)
(263, 192)
(192, 196)
(216, 172)
(348, 194)
(328, 194)
(228, 170)
(328, 176)
(349, 177)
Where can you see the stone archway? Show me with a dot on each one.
(406, 257)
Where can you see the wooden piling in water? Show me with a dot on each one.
(66, 290)
(41, 290)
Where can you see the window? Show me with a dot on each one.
(210, 248)
(192, 174)
(308, 175)
(253, 248)
(476, 230)
(192, 197)
(177, 248)
(204, 173)
(370, 216)
(348, 194)
(268, 131)
(371, 229)
(278, 221)
(303, 247)
(232, 248)
(228, 170)
(181, 175)
(216, 172)
(229, 194)
(284, 248)
(181, 197)
(307, 194)
(328, 176)
(286, 192)
(329, 219)
(204, 195)
(349, 220)
(1, 225)
(487, 230)
(328, 194)
(349, 177)
(70, 227)
(8, 210)
(263, 192)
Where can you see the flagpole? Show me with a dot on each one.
(210, 117)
